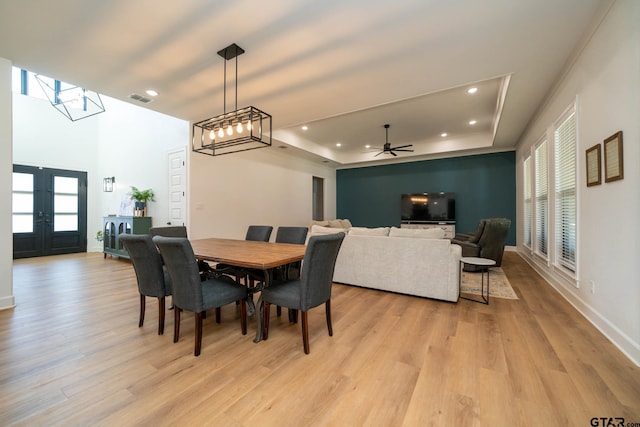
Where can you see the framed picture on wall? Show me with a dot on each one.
(613, 158)
(593, 165)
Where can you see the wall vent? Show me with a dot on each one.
(140, 98)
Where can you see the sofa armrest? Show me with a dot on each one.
(468, 249)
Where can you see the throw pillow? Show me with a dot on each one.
(346, 223)
(363, 231)
(335, 223)
(419, 233)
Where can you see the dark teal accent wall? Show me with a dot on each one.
(485, 186)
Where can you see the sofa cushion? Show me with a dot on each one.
(317, 229)
(363, 231)
(320, 223)
(418, 233)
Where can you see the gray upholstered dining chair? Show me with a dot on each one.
(311, 289)
(191, 293)
(169, 231)
(153, 279)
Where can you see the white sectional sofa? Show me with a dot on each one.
(413, 262)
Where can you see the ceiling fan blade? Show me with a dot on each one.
(392, 153)
(402, 146)
(378, 154)
(396, 149)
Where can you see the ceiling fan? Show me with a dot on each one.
(389, 149)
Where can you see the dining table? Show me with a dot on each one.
(249, 255)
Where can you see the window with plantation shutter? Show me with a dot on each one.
(527, 201)
(565, 191)
(542, 199)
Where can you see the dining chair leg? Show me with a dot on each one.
(293, 315)
(305, 332)
(218, 315)
(198, 344)
(160, 315)
(243, 317)
(176, 323)
(142, 306)
(327, 309)
(265, 319)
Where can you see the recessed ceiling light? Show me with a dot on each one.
(367, 146)
(472, 90)
(151, 92)
(338, 144)
(473, 122)
(305, 127)
(444, 134)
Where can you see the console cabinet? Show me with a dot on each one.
(114, 226)
(449, 228)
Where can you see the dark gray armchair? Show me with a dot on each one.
(489, 244)
(312, 289)
(191, 293)
(153, 279)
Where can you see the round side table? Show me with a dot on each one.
(483, 264)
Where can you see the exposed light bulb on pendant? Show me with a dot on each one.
(239, 127)
(249, 125)
(212, 134)
(220, 132)
(229, 129)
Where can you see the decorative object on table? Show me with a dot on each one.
(107, 184)
(99, 236)
(613, 158)
(141, 197)
(242, 129)
(593, 165)
(500, 285)
(73, 102)
(388, 149)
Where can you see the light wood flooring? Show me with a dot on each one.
(71, 353)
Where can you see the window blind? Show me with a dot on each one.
(527, 201)
(565, 192)
(541, 191)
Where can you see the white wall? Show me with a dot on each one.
(126, 141)
(6, 168)
(267, 186)
(605, 83)
(133, 147)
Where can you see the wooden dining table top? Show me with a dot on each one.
(247, 253)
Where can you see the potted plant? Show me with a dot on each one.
(141, 197)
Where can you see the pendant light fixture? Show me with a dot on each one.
(239, 130)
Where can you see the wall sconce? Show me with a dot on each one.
(107, 184)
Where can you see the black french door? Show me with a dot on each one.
(49, 211)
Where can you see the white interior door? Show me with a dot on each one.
(177, 187)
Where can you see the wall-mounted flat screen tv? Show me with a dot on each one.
(428, 207)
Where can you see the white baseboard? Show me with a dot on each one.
(622, 341)
(7, 302)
